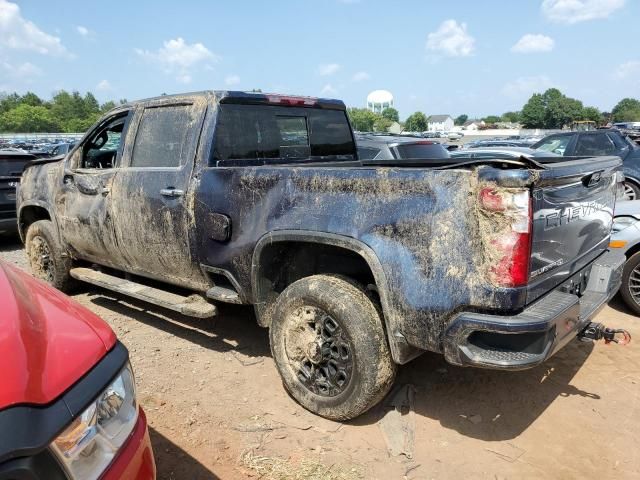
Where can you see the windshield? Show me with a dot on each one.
(422, 150)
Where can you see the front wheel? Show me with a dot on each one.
(330, 348)
(48, 259)
(630, 288)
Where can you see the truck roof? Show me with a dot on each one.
(251, 98)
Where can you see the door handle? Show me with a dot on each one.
(171, 192)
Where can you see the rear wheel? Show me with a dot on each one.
(630, 289)
(48, 259)
(631, 191)
(330, 347)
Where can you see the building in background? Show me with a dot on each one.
(378, 100)
(440, 123)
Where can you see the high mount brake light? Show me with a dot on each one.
(508, 213)
(282, 100)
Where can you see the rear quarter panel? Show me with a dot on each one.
(420, 224)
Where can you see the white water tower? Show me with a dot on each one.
(378, 100)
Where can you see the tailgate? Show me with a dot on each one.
(573, 205)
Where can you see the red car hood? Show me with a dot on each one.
(47, 341)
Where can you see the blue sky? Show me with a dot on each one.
(474, 57)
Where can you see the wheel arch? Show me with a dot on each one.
(265, 260)
(33, 212)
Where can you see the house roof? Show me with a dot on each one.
(471, 122)
(439, 118)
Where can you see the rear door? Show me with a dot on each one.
(153, 215)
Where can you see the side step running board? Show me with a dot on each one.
(191, 306)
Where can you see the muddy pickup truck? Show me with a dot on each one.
(355, 266)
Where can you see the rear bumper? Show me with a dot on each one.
(135, 458)
(530, 337)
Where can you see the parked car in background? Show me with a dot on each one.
(500, 152)
(454, 135)
(599, 143)
(11, 165)
(497, 143)
(68, 407)
(61, 149)
(625, 237)
(385, 147)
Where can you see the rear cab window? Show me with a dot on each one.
(264, 132)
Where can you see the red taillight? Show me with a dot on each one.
(507, 237)
(282, 100)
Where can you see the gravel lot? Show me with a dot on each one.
(217, 409)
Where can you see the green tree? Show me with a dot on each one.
(9, 101)
(551, 109)
(461, 119)
(362, 119)
(31, 99)
(593, 114)
(105, 107)
(512, 117)
(626, 110)
(382, 124)
(416, 122)
(391, 113)
(532, 114)
(491, 119)
(560, 110)
(27, 118)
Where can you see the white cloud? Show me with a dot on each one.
(575, 11)
(328, 90)
(19, 33)
(184, 78)
(630, 69)
(533, 43)
(232, 80)
(328, 69)
(360, 77)
(24, 71)
(104, 86)
(84, 31)
(176, 57)
(526, 86)
(451, 40)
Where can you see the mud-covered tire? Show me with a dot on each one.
(631, 279)
(48, 259)
(305, 312)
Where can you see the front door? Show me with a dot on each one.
(153, 215)
(85, 196)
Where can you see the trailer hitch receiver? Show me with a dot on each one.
(597, 331)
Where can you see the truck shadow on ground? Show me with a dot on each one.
(488, 404)
(173, 463)
(233, 329)
(485, 404)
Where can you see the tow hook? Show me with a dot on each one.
(597, 331)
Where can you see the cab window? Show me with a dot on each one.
(103, 147)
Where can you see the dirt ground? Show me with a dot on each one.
(217, 408)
